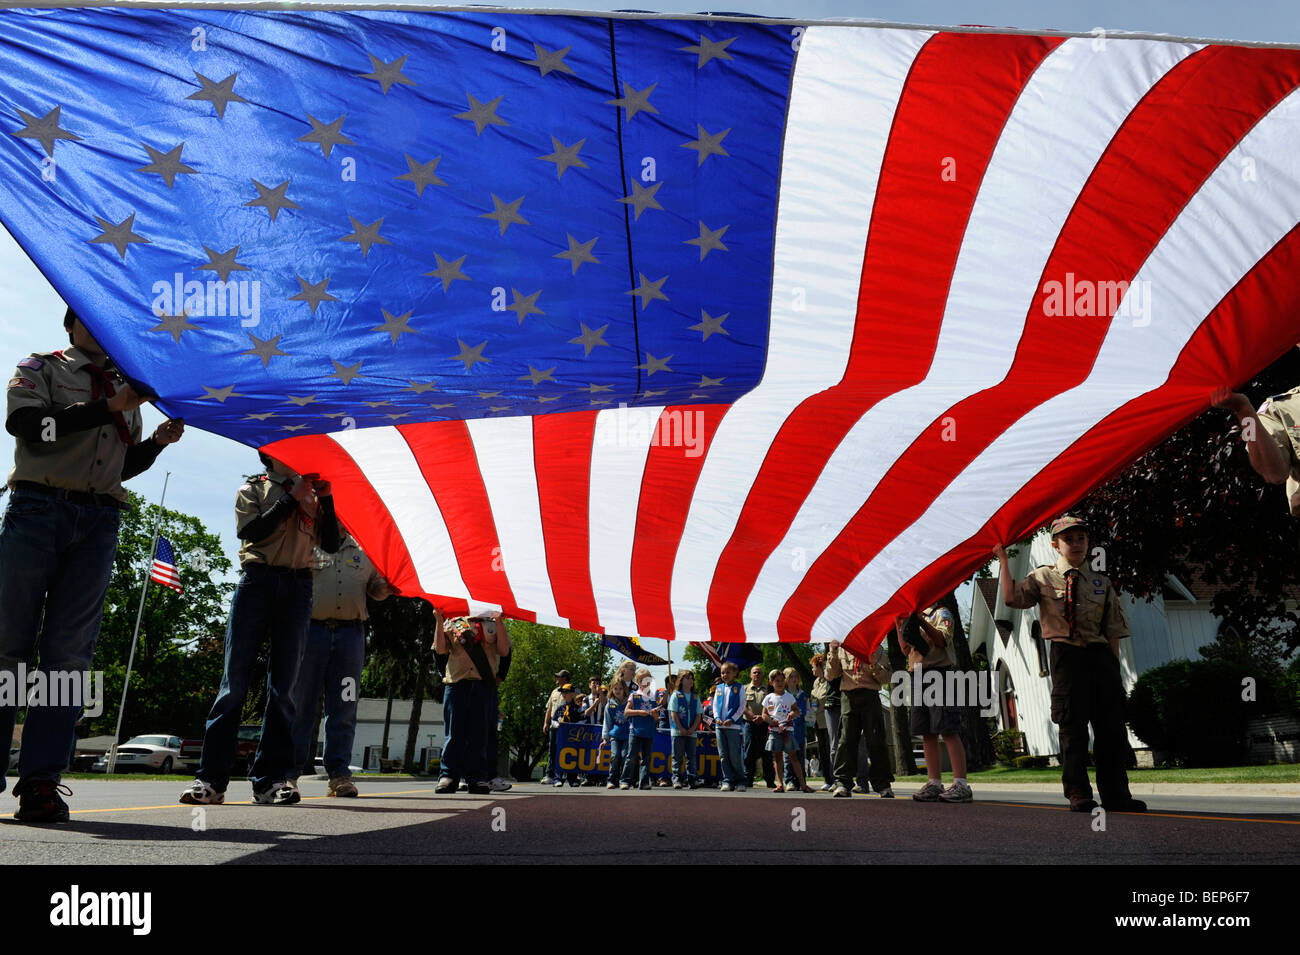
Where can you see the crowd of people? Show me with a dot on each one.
(304, 584)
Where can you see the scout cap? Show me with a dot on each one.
(567, 688)
(1065, 522)
(564, 675)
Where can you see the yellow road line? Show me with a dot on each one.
(1156, 815)
(249, 802)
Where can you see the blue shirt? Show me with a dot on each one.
(687, 709)
(729, 704)
(615, 722)
(643, 727)
(801, 700)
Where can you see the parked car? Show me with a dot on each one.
(250, 735)
(155, 753)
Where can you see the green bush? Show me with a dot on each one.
(1032, 762)
(1193, 711)
(1007, 745)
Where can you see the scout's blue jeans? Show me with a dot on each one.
(639, 749)
(50, 546)
(332, 657)
(272, 602)
(617, 758)
(733, 766)
(684, 759)
(466, 706)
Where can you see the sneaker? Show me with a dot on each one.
(342, 786)
(886, 793)
(480, 788)
(740, 787)
(446, 785)
(624, 785)
(548, 779)
(611, 785)
(930, 792)
(293, 784)
(860, 789)
(499, 785)
(279, 793)
(1125, 805)
(725, 787)
(646, 786)
(677, 784)
(201, 794)
(463, 787)
(957, 792)
(39, 801)
(827, 788)
(558, 784)
(1082, 803)
(842, 792)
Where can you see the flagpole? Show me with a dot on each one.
(153, 545)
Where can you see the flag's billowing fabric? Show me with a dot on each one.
(630, 648)
(163, 570)
(701, 330)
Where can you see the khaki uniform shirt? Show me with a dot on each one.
(754, 698)
(1280, 416)
(1099, 612)
(855, 673)
(461, 667)
(939, 656)
(292, 544)
(555, 700)
(342, 582)
(89, 460)
(820, 688)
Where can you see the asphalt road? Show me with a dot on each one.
(402, 821)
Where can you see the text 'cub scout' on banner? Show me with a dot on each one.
(698, 329)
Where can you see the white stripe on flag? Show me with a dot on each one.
(1078, 94)
(504, 449)
(845, 91)
(1192, 268)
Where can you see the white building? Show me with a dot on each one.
(370, 730)
(1173, 626)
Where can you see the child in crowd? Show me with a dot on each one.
(570, 711)
(642, 714)
(616, 731)
(779, 712)
(664, 724)
(801, 700)
(624, 675)
(684, 712)
(728, 727)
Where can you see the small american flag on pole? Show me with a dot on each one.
(164, 566)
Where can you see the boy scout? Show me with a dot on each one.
(1082, 616)
(1279, 417)
(280, 518)
(77, 431)
(336, 649)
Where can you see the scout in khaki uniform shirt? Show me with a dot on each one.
(1277, 431)
(860, 717)
(281, 517)
(472, 648)
(336, 646)
(77, 428)
(1082, 616)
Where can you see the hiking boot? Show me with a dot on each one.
(446, 785)
(499, 785)
(930, 792)
(480, 788)
(342, 786)
(279, 793)
(957, 792)
(201, 794)
(39, 801)
(1082, 803)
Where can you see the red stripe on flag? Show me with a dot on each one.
(1216, 354)
(917, 227)
(562, 461)
(444, 451)
(667, 486)
(1158, 159)
(360, 508)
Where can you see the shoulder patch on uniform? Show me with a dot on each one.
(21, 383)
(31, 362)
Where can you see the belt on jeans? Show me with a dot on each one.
(333, 623)
(82, 498)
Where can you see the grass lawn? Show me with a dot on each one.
(1280, 773)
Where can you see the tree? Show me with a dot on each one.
(1193, 503)
(180, 652)
(400, 659)
(539, 652)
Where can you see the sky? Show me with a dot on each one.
(206, 470)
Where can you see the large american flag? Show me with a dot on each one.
(695, 329)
